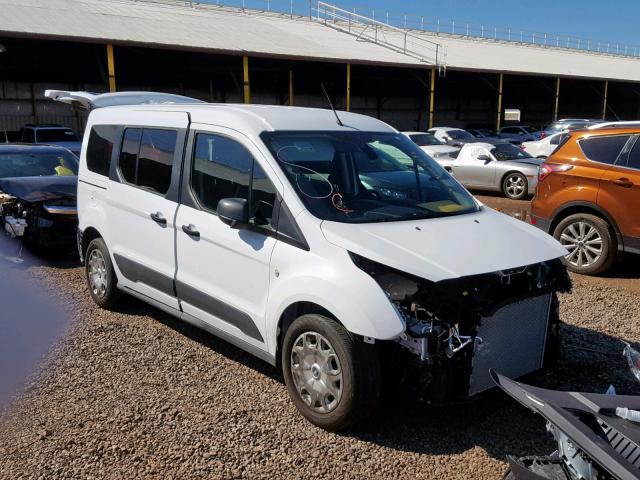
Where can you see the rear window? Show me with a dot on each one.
(424, 139)
(146, 158)
(605, 149)
(100, 147)
(46, 135)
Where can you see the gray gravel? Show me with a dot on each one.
(137, 394)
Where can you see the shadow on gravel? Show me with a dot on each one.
(132, 306)
(14, 254)
(627, 267)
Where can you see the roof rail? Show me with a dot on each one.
(628, 124)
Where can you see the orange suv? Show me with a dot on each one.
(588, 197)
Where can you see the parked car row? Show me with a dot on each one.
(482, 163)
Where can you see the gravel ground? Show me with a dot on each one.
(137, 394)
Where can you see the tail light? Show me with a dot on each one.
(547, 169)
(543, 134)
(522, 146)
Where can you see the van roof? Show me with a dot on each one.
(257, 117)
(242, 116)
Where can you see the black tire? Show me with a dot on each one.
(359, 365)
(107, 298)
(523, 186)
(608, 254)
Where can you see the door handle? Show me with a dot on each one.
(191, 230)
(158, 217)
(623, 182)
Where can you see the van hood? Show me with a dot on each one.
(448, 247)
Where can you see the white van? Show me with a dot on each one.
(327, 244)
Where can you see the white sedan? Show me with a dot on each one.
(545, 147)
(431, 145)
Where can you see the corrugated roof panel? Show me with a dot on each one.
(232, 31)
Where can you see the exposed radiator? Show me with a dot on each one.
(513, 341)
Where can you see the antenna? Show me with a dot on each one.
(331, 105)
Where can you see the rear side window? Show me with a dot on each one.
(634, 156)
(100, 147)
(146, 158)
(604, 149)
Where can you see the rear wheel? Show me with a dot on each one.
(590, 242)
(101, 277)
(515, 186)
(332, 377)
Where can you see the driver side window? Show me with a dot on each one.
(224, 168)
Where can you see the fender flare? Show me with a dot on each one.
(375, 317)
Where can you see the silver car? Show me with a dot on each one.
(502, 167)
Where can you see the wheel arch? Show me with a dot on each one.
(289, 315)
(573, 208)
(88, 234)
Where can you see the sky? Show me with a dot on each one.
(615, 20)
(609, 21)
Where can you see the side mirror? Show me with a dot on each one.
(484, 158)
(233, 211)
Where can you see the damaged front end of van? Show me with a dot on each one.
(457, 329)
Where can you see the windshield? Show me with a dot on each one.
(37, 164)
(459, 134)
(529, 129)
(508, 151)
(359, 177)
(55, 135)
(425, 139)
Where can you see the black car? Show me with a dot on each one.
(38, 187)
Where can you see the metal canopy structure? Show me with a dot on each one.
(211, 28)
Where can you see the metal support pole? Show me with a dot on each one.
(34, 105)
(111, 68)
(245, 79)
(499, 112)
(432, 91)
(291, 87)
(557, 99)
(604, 99)
(348, 87)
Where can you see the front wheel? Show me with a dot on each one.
(590, 242)
(332, 377)
(515, 186)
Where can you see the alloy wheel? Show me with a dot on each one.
(515, 185)
(584, 243)
(316, 372)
